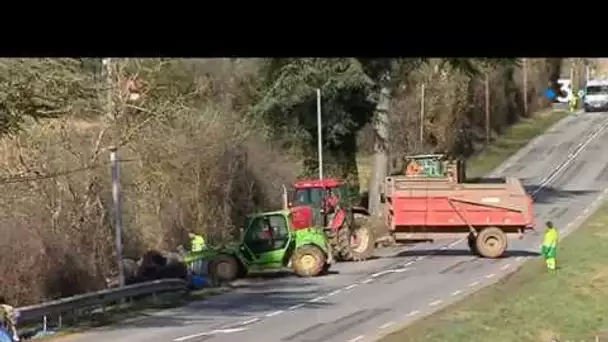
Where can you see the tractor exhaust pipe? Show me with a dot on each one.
(285, 199)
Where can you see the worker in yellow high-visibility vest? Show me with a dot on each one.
(549, 246)
(197, 242)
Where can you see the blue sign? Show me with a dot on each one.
(551, 95)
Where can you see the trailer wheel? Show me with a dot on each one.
(472, 242)
(491, 242)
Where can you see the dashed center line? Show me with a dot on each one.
(249, 321)
(333, 293)
(278, 312)
(297, 306)
(318, 299)
(352, 286)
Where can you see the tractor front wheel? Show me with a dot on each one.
(308, 261)
(224, 268)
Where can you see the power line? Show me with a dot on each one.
(39, 176)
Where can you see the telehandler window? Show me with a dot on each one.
(268, 233)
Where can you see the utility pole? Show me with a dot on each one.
(422, 115)
(116, 198)
(525, 81)
(487, 95)
(109, 84)
(319, 132)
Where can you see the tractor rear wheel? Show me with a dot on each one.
(224, 267)
(363, 239)
(308, 261)
(355, 242)
(491, 242)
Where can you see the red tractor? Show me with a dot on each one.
(351, 237)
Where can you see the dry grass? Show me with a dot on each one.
(191, 162)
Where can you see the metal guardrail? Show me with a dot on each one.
(59, 307)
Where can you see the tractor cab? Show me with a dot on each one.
(311, 193)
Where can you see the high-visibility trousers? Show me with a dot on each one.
(551, 263)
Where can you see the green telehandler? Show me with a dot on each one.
(270, 241)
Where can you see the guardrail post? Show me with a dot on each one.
(59, 321)
(44, 323)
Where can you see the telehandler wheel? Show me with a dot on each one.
(224, 267)
(471, 241)
(308, 261)
(491, 242)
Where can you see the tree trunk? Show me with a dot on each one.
(380, 160)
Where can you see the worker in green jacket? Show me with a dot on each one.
(549, 247)
(197, 242)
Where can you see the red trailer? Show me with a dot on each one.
(433, 200)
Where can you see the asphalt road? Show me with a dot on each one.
(565, 171)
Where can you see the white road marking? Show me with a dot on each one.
(454, 243)
(278, 312)
(490, 275)
(355, 339)
(297, 306)
(408, 263)
(208, 333)
(367, 281)
(401, 270)
(504, 267)
(456, 293)
(249, 321)
(314, 300)
(386, 325)
(333, 293)
(475, 283)
(586, 211)
(412, 313)
(352, 286)
(437, 302)
(518, 258)
(375, 275)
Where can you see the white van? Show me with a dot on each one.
(596, 96)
